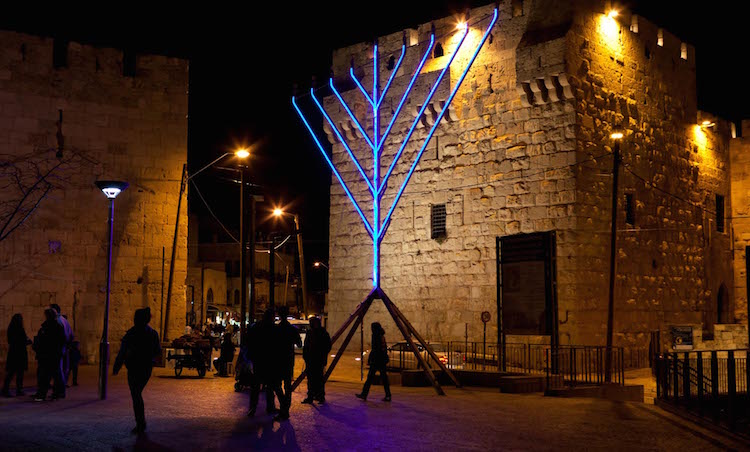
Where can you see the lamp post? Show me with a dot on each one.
(616, 136)
(110, 189)
(242, 154)
(300, 250)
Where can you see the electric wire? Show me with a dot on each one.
(200, 195)
(655, 187)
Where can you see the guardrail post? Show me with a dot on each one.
(676, 375)
(699, 369)
(572, 366)
(731, 388)
(622, 366)
(686, 377)
(715, 384)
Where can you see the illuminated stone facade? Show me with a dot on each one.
(525, 148)
(122, 119)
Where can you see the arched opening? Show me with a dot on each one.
(722, 305)
(210, 295)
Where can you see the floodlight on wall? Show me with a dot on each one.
(613, 13)
(617, 135)
(707, 124)
(111, 188)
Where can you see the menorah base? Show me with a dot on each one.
(407, 330)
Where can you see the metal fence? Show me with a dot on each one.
(711, 384)
(575, 364)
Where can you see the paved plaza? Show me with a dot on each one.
(206, 414)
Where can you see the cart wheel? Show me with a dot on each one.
(177, 371)
(201, 372)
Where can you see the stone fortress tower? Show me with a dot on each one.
(524, 161)
(71, 114)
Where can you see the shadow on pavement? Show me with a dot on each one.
(144, 443)
(262, 434)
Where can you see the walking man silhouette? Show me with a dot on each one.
(140, 348)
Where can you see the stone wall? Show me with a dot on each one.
(131, 128)
(525, 148)
(740, 168)
(672, 260)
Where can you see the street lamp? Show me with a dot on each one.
(242, 154)
(617, 137)
(277, 212)
(110, 189)
(318, 264)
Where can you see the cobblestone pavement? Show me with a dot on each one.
(206, 414)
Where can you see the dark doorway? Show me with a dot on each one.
(722, 305)
(528, 285)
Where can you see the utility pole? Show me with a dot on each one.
(302, 268)
(251, 269)
(272, 272)
(243, 254)
(617, 136)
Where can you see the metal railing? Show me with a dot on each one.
(576, 364)
(711, 384)
(585, 365)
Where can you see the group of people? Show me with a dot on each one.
(267, 351)
(57, 353)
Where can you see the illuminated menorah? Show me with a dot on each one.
(377, 184)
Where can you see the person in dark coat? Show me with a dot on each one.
(48, 346)
(139, 349)
(315, 353)
(260, 337)
(226, 356)
(377, 360)
(74, 354)
(287, 337)
(18, 359)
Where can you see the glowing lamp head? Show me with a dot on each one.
(111, 188)
(316, 264)
(242, 153)
(462, 26)
(613, 13)
(707, 124)
(616, 135)
(278, 212)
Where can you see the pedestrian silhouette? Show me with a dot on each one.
(18, 359)
(226, 356)
(315, 353)
(48, 346)
(74, 355)
(260, 339)
(286, 338)
(377, 360)
(139, 349)
(59, 376)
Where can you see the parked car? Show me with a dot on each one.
(400, 356)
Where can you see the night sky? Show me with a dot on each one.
(244, 62)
